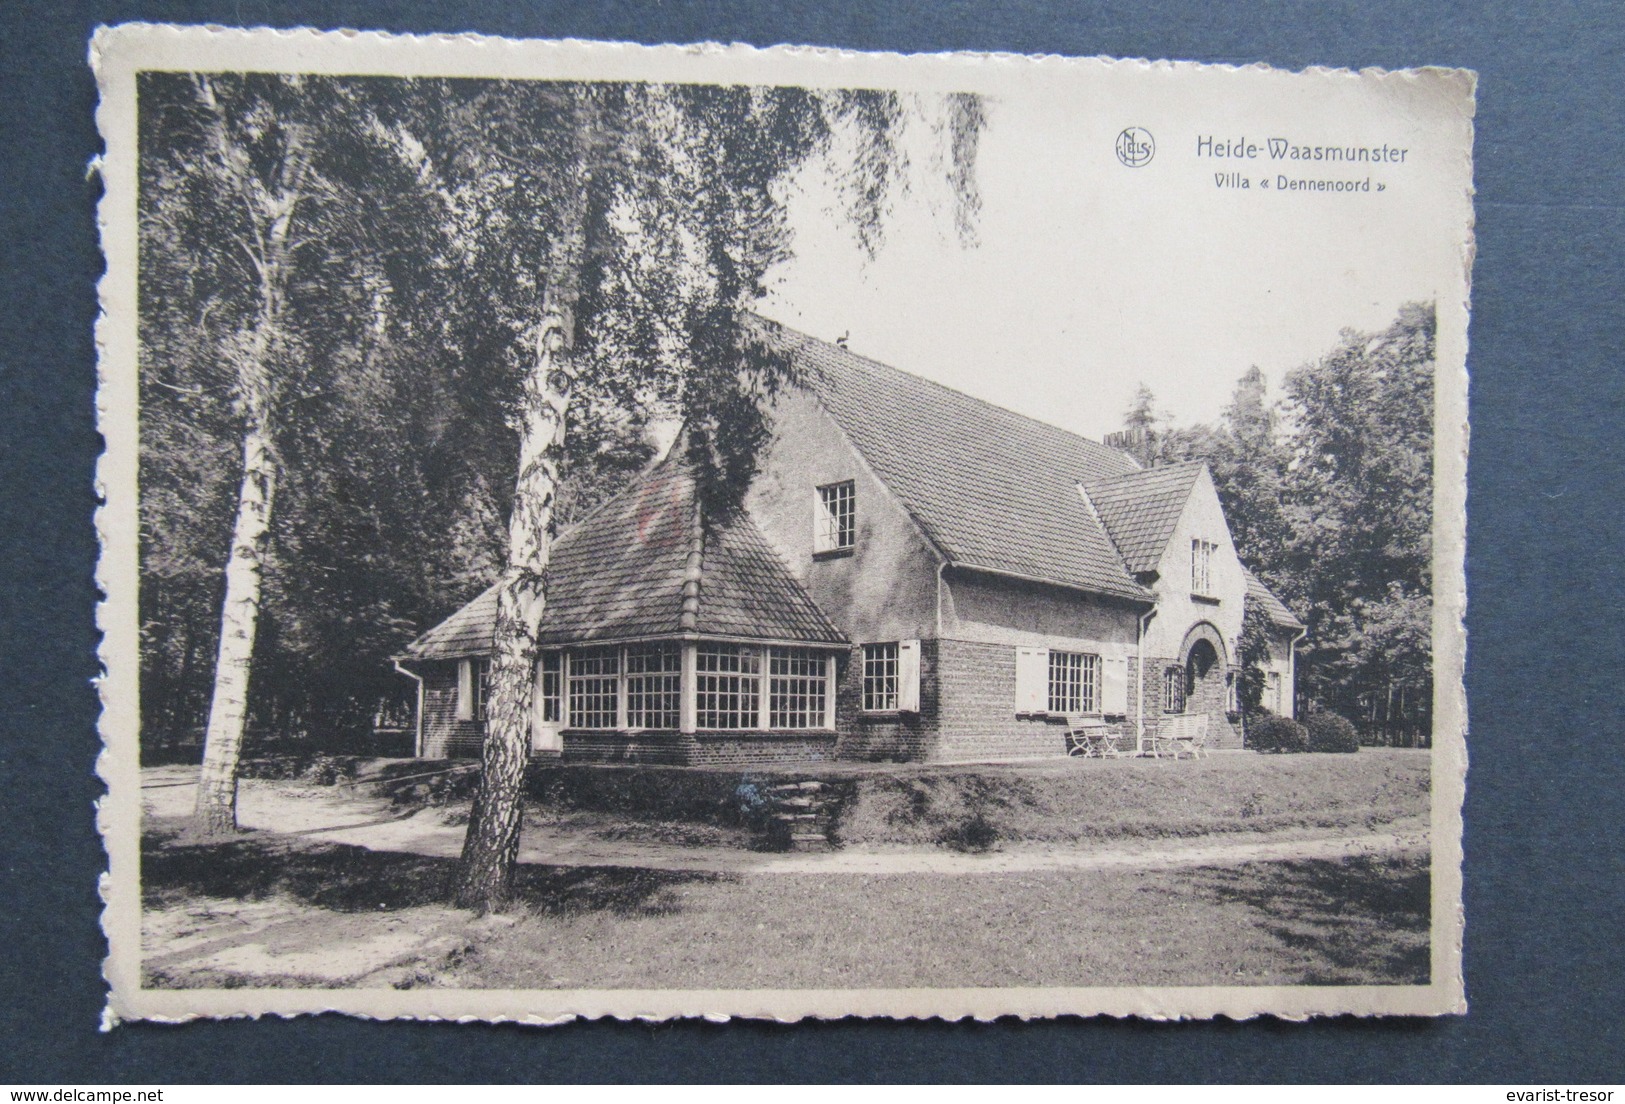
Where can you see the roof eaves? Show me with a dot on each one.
(1133, 592)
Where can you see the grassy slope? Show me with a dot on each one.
(1069, 802)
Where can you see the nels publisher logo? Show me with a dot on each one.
(1136, 147)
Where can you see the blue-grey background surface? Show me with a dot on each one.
(1545, 954)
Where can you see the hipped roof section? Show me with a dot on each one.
(1275, 608)
(991, 489)
(623, 572)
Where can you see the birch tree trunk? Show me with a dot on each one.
(269, 243)
(491, 848)
(216, 809)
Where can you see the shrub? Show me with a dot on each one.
(1331, 732)
(1268, 732)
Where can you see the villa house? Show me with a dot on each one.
(916, 575)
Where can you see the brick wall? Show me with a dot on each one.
(887, 737)
(698, 749)
(444, 736)
(1211, 698)
(977, 718)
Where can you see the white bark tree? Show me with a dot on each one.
(663, 212)
(258, 240)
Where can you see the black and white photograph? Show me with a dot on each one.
(607, 530)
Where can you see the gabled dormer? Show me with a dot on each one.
(1170, 529)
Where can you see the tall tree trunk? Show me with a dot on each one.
(491, 848)
(216, 809)
(272, 205)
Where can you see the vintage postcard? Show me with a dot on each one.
(601, 530)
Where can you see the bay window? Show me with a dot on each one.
(654, 686)
(595, 687)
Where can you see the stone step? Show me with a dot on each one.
(797, 818)
(809, 841)
(789, 788)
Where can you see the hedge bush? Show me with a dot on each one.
(1268, 732)
(1330, 732)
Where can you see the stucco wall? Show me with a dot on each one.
(1177, 608)
(887, 588)
(1010, 611)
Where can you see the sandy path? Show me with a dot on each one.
(340, 814)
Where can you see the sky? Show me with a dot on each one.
(1091, 277)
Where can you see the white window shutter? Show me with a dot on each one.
(1114, 685)
(1032, 680)
(465, 689)
(908, 676)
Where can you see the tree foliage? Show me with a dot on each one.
(475, 278)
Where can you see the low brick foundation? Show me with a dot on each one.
(710, 749)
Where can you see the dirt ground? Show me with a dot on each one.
(292, 903)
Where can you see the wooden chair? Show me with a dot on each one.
(1181, 734)
(1089, 737)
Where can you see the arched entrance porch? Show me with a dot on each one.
(1207, 673)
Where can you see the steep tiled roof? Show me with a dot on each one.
(1277, 609)
(992, 489)
(466, 632)
(1140, 509)
(619, 573)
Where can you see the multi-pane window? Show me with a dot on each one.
(552, 688)
(798, 683)
(1272, 691)
(1173, 689)
(879, 678)
(727, 686)
(836, 523)
(1202, 566)
(654, 686)
(595, 688)
(1074, 683)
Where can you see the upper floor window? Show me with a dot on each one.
(1074, 683)
(1202, 566)
(835, 524)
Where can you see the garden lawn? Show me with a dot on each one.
(277, 910)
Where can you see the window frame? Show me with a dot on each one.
(835, 518)
(580, 711)
(1082, 676)
(1202, 554)
(550, 686)
(881, 670)
(801, 689)
(1173, 688)
(745, 692)
(663, 683)
(737, 688)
